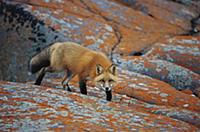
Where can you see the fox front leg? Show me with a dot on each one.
(109, 95)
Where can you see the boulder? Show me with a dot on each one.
(154, 91)
(175, 13)
(185, 55)
(177, 76)
(30, 26)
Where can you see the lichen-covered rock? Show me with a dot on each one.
(154, 91)
(183, 40)
(184, 55)
(155, 99)
(148, 102)
(176, 112)
(177, 76)
(104, 25)
(168, 11)
(197, 92)
(31, 108)
(32, 26)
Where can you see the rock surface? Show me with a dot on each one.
(177, 76)
(34, 108)
(107, 25)
(155, 44)
(184, 51)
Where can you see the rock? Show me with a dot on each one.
(28, 107)
(149, 100)
(177, 76)
(183, 40)
(34, 25)
(152, 100)
(154, 91)
(174, 13)
(109, 26)
(20, 30)
(187, 91)
(175, 112)
(185, 55)
(197, 92)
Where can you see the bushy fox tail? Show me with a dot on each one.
(40, 60)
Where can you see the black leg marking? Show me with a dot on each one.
(68, 88)
(68, 76)
(82, 85)
(63, 81)
(109, 95)
(40, 77)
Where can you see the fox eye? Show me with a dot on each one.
(110, 80)
(103, 81)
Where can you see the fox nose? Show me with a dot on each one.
(107, 88)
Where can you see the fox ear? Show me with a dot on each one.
(112, 69)
(99, 69)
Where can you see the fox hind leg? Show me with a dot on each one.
(68, 76)
(40, 76)
(64, 78)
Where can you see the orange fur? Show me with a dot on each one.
(78, 59)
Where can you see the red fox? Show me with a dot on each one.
(76, 60)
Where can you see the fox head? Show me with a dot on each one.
(106, 77)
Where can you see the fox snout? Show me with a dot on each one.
(107, 89)
(107, 86)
